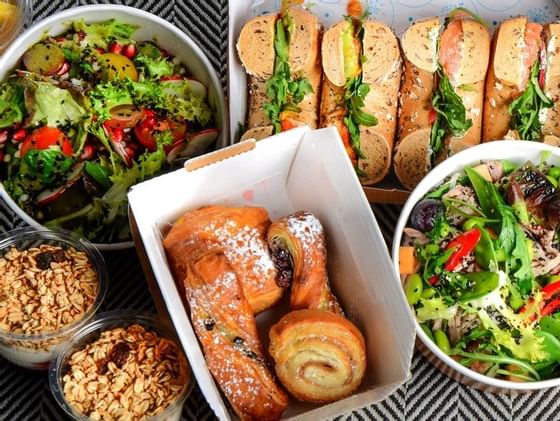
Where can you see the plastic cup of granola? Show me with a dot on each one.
(51, 284)
(122, 365)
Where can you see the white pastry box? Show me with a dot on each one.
(296, 170)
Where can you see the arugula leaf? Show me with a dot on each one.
(526, 107)
(451, 114)
(284, 91)
(54, 106)
(12, 105)
(354, 96)
(102, 33)
(156, 68)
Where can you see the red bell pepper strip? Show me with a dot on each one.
(551, 289)
(550, 307)
(464, 245)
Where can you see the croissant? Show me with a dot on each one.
(319, 356)
(241, 234)
(297, 244)
(226, 328)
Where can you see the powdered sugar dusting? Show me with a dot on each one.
(307, 228)
(246, 246)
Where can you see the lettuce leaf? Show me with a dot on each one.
(156, 68)
(12, 106)
(54, 106)
(102, 33)
(434, 308)
(106, 96)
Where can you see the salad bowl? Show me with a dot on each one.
(516, 155)
(150, 28)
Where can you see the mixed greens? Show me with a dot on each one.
(90, 113)
(284, 90)
(481, 263)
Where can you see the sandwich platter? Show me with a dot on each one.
(397, 15)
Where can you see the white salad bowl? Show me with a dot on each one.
(517, 152)
(150, 27)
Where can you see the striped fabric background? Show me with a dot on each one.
(428, 395)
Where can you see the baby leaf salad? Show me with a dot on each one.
(480, 259)
(90, 113)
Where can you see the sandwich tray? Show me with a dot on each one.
(280, 175)
(398, 14)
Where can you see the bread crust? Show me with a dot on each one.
(255, 46)
(551, 123)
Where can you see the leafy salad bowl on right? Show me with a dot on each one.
(477, 248)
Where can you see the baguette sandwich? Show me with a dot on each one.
(280, 54)
(522, 88)
(442, 93)
(362, 71)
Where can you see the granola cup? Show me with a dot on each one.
(122, 365)
(51, 284)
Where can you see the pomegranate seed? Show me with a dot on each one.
(100, 50)
(129, 151)
(115, 47)
(129, 51)
(88, 152)
(1, 155)
(150, 121)
(149, 113)
(117, 135)
(64, 69)
(3, 136)
(19, 135)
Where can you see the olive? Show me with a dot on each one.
(425, 213)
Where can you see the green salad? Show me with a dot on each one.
(90, 113)
(480, 259)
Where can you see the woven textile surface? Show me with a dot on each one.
(428, 395)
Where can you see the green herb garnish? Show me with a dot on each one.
(451, 114)
(284, 91)
(525, 109)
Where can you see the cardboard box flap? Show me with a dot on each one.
(283, 174)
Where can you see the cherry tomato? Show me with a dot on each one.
(432, 116)
(115, 47)
(44, 138)
(146, 130)
(287, 124)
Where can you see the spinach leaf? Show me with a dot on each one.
(526, 107)
(46, 165)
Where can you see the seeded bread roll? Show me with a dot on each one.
(256, 49)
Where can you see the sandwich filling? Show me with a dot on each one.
(355, 90)
(526, 109)
(284, 91)
(449, 115)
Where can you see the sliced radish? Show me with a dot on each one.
(175, 151)
(64, 69)
(197, 87)
(47, 196)
(118, 144)
(177, 87)
(199, 142)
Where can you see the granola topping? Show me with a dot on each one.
(43, 289)
(126, 374)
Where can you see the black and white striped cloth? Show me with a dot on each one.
(428, 395)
